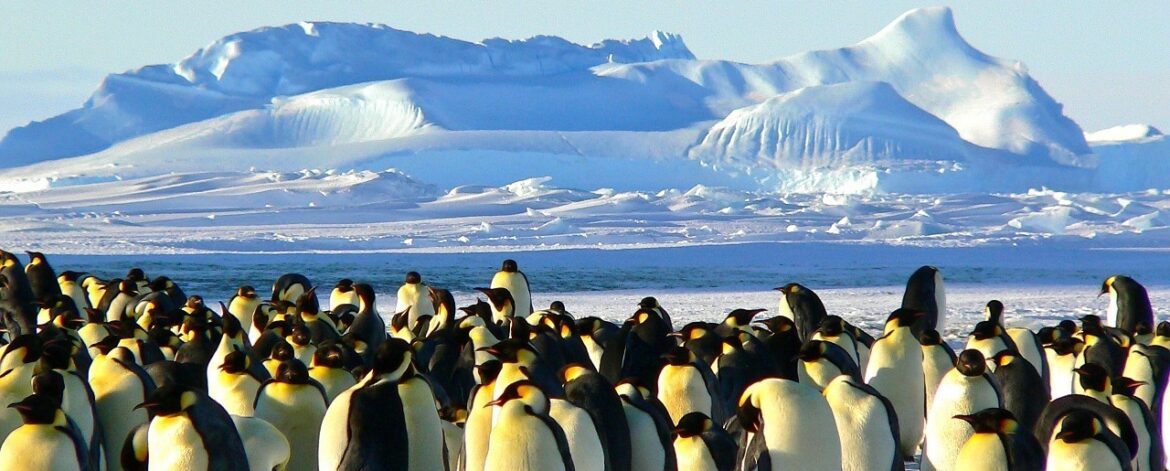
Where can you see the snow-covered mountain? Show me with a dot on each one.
(913, 108)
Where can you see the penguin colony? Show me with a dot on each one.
(132, 373)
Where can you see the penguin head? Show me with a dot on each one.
(994, 311)
(393, 358)
(161, 283)
(246, 291)
(24, 349)
(1163, 329)
(970, 362)
(282, 351)
(500, 298)
(779, 324)
(649, 302)
(986, 330)
(135, 274)
(1078, 425)
(526, 392)
(1107, 285)
(903, 317)
(509, 266)
(329, 356)
(35, 258)
(488, 371)
(679, 356)
(40, 409)
(169, 400)
(930, 337)
(557, 306)
(231, 326)
(1091, 322)
(57, 355)
(1127, 386)
(693, 424)
(991, 420)
(235, 362)
(512, 351)
(307, 302)
(812, 351)
(1093, 377)
(1005, 358)
(413, 278)
(832, 327)
(1068, 346)
(128, 287)
(69, 275)
(1067, 328)
(292, 372)
(50, 384)
(300, 335)
(741, 317)
(573, 371)
(344, 285)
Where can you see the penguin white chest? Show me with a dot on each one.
(982, 452)
(1087, 454)
(176, 444)
(945, 436)
(692, 454)
(38, 447)
(521, 442)
(682, 390)
(1111, 311)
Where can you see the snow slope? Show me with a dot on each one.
(355, 96)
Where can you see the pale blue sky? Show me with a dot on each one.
(1107, 62)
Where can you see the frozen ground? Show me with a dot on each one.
(1038, 284)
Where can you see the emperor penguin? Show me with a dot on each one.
(821, 361)
(20, 361)
(190, 431)
(368, 330)
(1083, 442)
(295, 404)
(867, 425)
(244, 304)
(46, 440)
(1063, 355)
(650, 442)
(233, 384)
(1129, 304)
(526, 438)
(392, 402)
(59, 378)
(702, 445)
(937, 360)
(69, 282)
(1025, 393)
(1148, 365)
(342, 294)
(795, 422)
(582, 435)
(989, 339)
(516, 282)
(41, 277)
(119, 384)
(590, 391)
(290, 286)
(650, 302)
(685, 386)
(926, 293)
(126, 295)
(414, 295)
(594, 333)
(328, 368)
(999, 442)
(804, 307)
(266, 446)
(967, 389)
(783, 344)
(1150, 453)
(834, 329)
(895, 370)
(503, 306)
(738, 320)
(477, 428)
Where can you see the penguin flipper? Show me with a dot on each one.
(135, 454)
(1109, 414)
(375, 415)
(220, 436)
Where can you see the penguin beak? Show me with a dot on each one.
(145, 405)
(965, 418)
